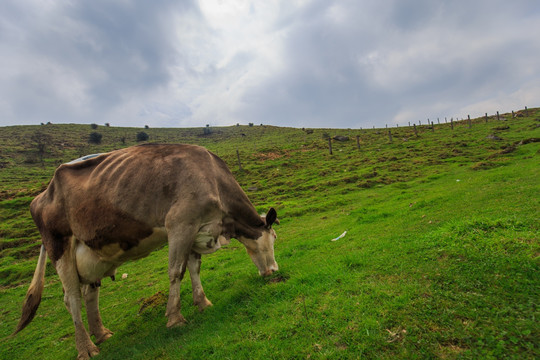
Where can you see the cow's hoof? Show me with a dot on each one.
(204, 304)
(90, 351)
(103, 336)
(176, 320)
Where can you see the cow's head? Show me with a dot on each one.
(261, 250)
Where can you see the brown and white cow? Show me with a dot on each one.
(100, 212)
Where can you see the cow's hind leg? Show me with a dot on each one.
(194, 266)
(95, 325)
(67, 270)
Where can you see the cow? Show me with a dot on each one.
(106, 209)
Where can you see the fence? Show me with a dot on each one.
(417, 129)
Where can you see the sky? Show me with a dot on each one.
(299, 63)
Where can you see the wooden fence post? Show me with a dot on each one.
(452, 123)
(498, 117)
(526, 111)
(390, 135)
(358, 142)
(330, 145)
(486, 118)
(415, 132)
(432, 127)
(469, 121)
(239, 163)
(513, 115)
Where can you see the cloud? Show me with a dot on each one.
(292, 63)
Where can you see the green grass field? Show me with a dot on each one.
(440, 259)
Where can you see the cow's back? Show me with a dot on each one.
(119, 197)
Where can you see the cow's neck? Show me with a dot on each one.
(247, 224)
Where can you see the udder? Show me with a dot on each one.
(95, 264)
(90, 266)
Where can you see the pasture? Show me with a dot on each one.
(440, 259)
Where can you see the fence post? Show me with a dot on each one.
(390, 135)
(330, 145)
(438, 122)
(498, 117)
(526, 111)
(415, 132)
(239, 163)
(409, 123)
(358, 142)
(486, 118)
(513, 115)
(432, 127)
(452, 123)
(469, 121)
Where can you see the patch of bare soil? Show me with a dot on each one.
(153, 301)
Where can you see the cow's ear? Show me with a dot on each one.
(271, 218)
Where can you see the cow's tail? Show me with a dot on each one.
(33, 295)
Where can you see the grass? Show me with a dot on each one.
(440, 259)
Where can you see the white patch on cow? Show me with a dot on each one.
(223, 240)
(261, 252)
(206, 243)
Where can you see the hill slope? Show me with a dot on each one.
(440, 258)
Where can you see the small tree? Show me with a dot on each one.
(95, 138)
(142, 136)
(40, 141)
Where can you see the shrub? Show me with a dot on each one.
(95, 138)
(142, 136)
(93, 126)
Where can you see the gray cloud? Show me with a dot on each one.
(307, 63)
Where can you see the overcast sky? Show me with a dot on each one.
(300, 63)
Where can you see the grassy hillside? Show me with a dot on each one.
(440, 258)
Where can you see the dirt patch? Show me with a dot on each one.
(153, 301)
(269, 156)
(277, 278)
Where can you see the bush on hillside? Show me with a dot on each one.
(95, 138)
(142, 136)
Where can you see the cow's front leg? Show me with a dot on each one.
(194, 266)
(95, 325)
(176, 274)
(180, 242)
